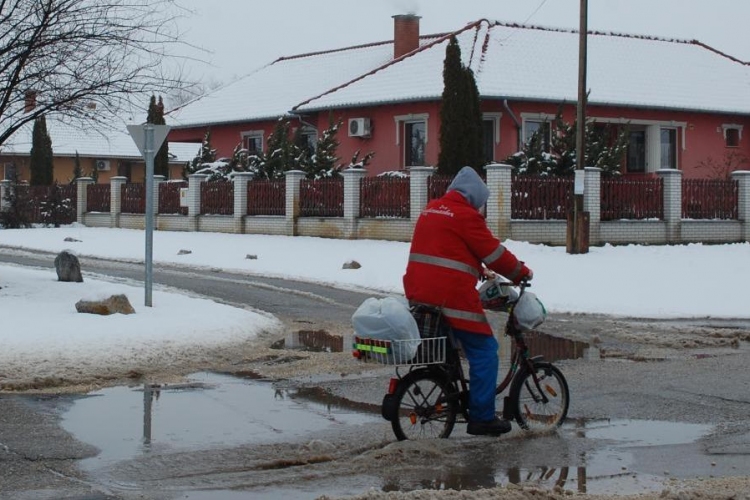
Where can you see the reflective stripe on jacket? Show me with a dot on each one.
(451, 241)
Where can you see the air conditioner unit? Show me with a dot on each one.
(359, 127)
(102, 165)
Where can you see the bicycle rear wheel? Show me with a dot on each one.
(536, 410)
(423, 408)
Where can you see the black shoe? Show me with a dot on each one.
(489, 428)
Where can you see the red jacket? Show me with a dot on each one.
(451, 241)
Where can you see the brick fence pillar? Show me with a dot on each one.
(4, 193)
(194, 199)
(352, 178)
(672, 203)
(499, 181)
(418, 190)
(82, 184)
(743, 201)
(592, 202)
(115, 199)
(240, 180)
(293, 179)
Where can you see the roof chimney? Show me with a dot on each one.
(405, 34)
(29, 102)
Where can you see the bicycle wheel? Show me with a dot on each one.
(533, 410)
(423, 408)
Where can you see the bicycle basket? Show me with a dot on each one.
(392, 352)
(431, 326)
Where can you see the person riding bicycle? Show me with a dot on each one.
(450, 245)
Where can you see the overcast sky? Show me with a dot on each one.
(242, 35)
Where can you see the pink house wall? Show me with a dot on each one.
(703, 138)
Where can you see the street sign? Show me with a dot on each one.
(138, 133)
(149, 137)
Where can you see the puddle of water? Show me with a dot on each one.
(551, 347)
(631, 433)
(603, 459)
(314, 340)
(213, 410)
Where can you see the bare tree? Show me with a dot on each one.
(68, 57)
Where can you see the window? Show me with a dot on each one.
(253, 142)
(414, 142)
(732, 135)
(537, 130)
(307, 138)
(411, 137)
(668, 148)
(10, 171)
(637, 151)
(490, 135)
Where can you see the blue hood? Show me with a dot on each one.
(471, 186)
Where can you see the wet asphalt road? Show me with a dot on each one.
(39, 460)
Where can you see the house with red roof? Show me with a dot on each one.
(685, 104)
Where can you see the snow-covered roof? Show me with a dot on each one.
(271, 91)
(509, 61)
(90, 142)
(541, 64)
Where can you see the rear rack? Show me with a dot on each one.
(401, 352)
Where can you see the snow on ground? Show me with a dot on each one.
(40, 326)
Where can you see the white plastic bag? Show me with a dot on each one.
(388, 319)
(529, 312)
(496, 294)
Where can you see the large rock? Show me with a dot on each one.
(68, 268)
(114, 304)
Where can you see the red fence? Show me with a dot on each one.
(321, 197)
(41, 198)
(437, 185)
(133, 199)
(98, 197)
(169, 198)
(266, 197)
(384, 197)
(632, 199)
(541, 198)
(217, 198)
(709, 199)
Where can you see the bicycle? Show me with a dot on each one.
(433, 395)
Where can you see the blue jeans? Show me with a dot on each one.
(481, 352)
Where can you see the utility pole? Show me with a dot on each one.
(578, 221)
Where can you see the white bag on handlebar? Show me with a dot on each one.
(388, 319)
(529, 312)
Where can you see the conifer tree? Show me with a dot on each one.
(460, 116)
(77, 170)
(40, 161)
(17, 211)
(55, 208)
(156, 116)
(281, 153)
(206, 154)
(324, 160)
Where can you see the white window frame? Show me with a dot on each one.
(536, 118)
(494, 117)
(255, 134)
(412, 118)
(310, 131)
(403, 120)
(653, 137)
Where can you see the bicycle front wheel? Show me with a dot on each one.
(424, 409)
(541, 407)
